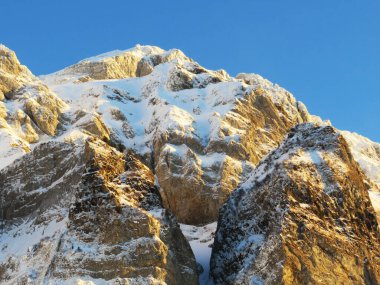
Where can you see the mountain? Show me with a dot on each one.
(201, 131)
(303, 217)
(101, 160)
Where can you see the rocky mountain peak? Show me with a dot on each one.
(99, 161)
(305, 207)
(135, 62)
(177, 107)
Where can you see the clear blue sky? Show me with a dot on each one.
(326, 52)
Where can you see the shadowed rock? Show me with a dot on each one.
(91, 214)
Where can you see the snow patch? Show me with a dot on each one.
(201, 239)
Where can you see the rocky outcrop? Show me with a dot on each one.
(135, 62)
(93, 125)
(92, 214)
(207, 174)
(10, 69)
(303, 217)
(28, 108)
(47, 176)
(36, 192)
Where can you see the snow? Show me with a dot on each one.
(366, 153)
(157, 213)
(256, 239)
(149, 107)
(315, 156)
(255, 280)
(11, 148)
(207, 160)
(138, 50)
(201, 239)
(19, 240)
(375, 200)
(19, 243)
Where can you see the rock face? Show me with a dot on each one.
(100, 219)
(28, 109)
(200, 131)
(44, 177)
(303, 217)
(206, 175)
(135, 62)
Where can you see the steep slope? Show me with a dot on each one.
(87, 213)
(367, 154)
(201, 131)
(303, 217)
(28, 109)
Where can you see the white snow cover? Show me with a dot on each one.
(366, 153)
(139, 51)
(18, 244)
(190, 112)
(11, 147)
(201, 239)
(375, 200)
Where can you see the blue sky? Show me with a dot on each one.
(326, 52)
